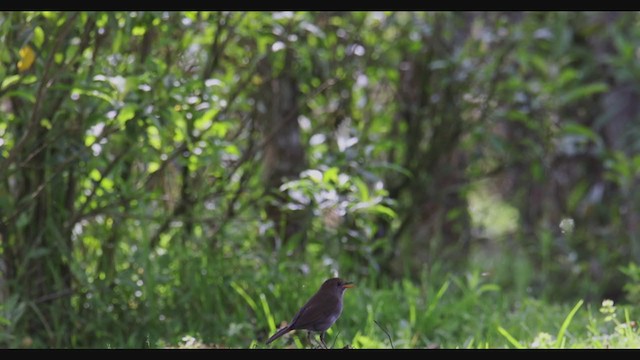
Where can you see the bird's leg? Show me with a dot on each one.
(322, 340)
(309, 339)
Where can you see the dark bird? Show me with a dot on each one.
(320, 312)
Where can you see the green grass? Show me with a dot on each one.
(199, 299)
(455, 313)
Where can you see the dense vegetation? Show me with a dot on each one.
(190, 178)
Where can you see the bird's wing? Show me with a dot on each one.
(310, 316)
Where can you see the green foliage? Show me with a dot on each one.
(632, 287)
(474, 173)
(601, 331)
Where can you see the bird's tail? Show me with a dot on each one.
(278, 333)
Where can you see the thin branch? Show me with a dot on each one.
(55, 172)
(54, 296)
(217, 48)
(77, 215)
(96, 183)
(184, 146)
(335, 338)
(44, 84)
(385, 331)
(231, 212)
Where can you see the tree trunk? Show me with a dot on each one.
(284, 156)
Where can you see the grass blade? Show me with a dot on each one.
(565, 324)
(267, 312)
(510, 338)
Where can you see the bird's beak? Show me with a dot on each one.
(347, 285)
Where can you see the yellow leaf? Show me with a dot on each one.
(256, 80)
(27, 57)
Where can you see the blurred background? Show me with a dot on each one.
(181, 178)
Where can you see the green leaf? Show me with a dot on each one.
(220, 129)
(232, 150)
(102, 20)
(267, 312)
(313, 174)
(95, 175)
(330, 175)
(152, 167)
(578, 193)
(107, 184)
(510, 338)
(382, 209)
(566, 76)
(579, 129)
(488, 287)
(364, 190)
(565, 324)
(393, 167)
(38, 36)
(94, 93)
(9, 80)
(436, 300)
(89, 140)
(46, 123)
(583, 92)
(126, 113)
(26, 95)
(204, 122)
(29, 79)
(252, 304)
(154, 137)
(138, 30)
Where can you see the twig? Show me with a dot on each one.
(335, 339)
(385, 331)
(54, 296)
(42, 88)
